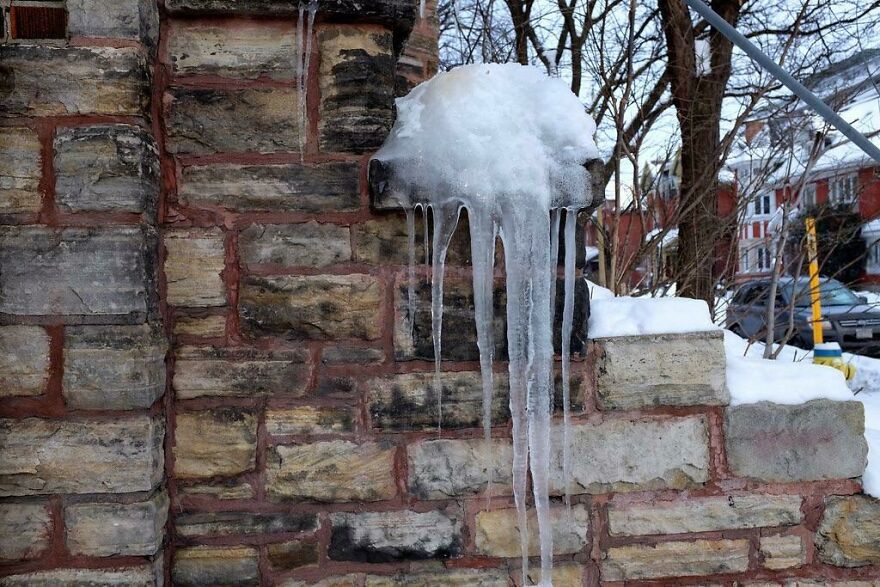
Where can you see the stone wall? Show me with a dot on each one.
(209, 376)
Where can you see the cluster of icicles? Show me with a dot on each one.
(305, 26)
(531, 276)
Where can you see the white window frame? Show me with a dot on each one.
(873, 257)
(808, 195)
(843, 189)
(765, 263)
(758, 207)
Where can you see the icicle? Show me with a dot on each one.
(422, 9)
(567, 320)
(411, 269)
(445, 221)
(301, 98)
(427, 232)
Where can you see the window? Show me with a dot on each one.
(764, 204)
(874, 257)
(764, 263)
(33, 19)
(843, 189)
(744, 261)
(808, 195)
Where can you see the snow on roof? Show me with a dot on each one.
(669, 239)
(871, 228)
(591, 252)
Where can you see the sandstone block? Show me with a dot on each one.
(308, 245)
(77, 271)
(497, 532)
(40, 456)
(564, 575)
(310, 420)
(54, 81)
(344, 354)
(224, 490)
(334, 471)
(384, 241)
(113, 367)
(135, 576)
(106, 168)
(821, 439)
(446, 578)
(192, 524)
(317, 307)
(111, 529)
(392, 536)
(667, 370)
(342, 581)
(218, 372)
(331, 186)
(286, 556)
(21, 167)
(216, 566)
(440, 469)
(783, 552)
(193, 267)
(222, 441)
(24, 360)
(205, 326)
(124, 19)
(849, 532)
(675, 559)
(25, 530)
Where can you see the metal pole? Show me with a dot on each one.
(792, 84)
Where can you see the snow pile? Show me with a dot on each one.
(871, 478)
(626, 316)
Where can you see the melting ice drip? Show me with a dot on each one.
(305, 26)
(507, 144)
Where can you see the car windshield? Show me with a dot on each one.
(831, 293)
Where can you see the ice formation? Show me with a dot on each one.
(305, 26)
(508, 144)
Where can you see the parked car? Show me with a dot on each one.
(847, 318)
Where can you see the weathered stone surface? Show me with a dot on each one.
(397, 535)
(308, 245)
(783, 552)
(214, 442)
(193, 524)
(206, 326)
(446, 578)
(409, 401)
(24, 360)
(286, 556)
(21, 166)
(225, 490)
(341, 387)
(110, 529)
(849, 533)
(357, 88)
(383, 240)
(704, 514)
(71, 271)
(439, 469)
(334, 471)
(220, 566)
(121, 19)
(821, 439)
(497, 533)
(345, 354)
(315, 307)
(242, 372)
(243, 49)
(194, 263)
(113, 367)
(135, 576)
(51, 456)
(661, 370)
(25, 530)
(201, 121)
(310, 420)
(390, 11)
(50, 81)
(675, 559)
(331, 186)
(343, 581)
(106, 168)
(564, 575)
(672, 453)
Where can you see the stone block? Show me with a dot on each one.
(704, 514)
(286, 556)
(25, 530)
(660, 370)
(342, 581)
(114, 367)
(21, 167)
(202, 121)
(106, 168)
(849, 532)
(215, 442)
(310, 420)
(497, 533)
(441, 469)
(564, 575)
(231, 489)
(215, 566)
(821, 439)
(192, 524)
(240, 372)
(316, 307)
(244, 49)
(783, 552)
(194, 263)
(378, 537)
(41, 80)
(446, 578)
(213, 326)
(334, 471)
(675, 559)
(24, 360)
(122, 19)
(294, 245)
(149, 575)
(331, 186)
(343, 354)
(77, 271)
(383, 240)
(357, 87)
(40, 457)
(111, 529)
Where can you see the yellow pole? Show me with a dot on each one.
(813, 256)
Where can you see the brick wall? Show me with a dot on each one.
(208, 375)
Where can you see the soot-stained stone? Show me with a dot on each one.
(379, 537)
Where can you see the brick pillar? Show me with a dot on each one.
(82, 344)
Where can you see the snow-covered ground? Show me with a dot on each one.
(790, 379)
